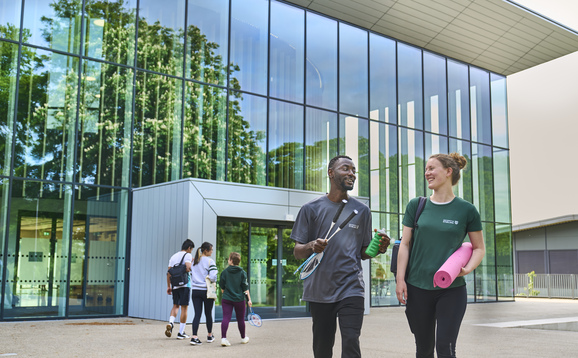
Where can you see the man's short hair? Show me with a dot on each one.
(188, 244)
(335, 159)
(235, 258)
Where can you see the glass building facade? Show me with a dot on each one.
(101, 96)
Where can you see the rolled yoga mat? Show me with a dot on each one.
(453, 266)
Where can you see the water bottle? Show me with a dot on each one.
(373, 248)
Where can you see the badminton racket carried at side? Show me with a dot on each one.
(309, 266)
(254, 319)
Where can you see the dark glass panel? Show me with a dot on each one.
(435, 93)
(157, 129)
(109, 30)
(285, 145)
(287, 52)
(321, 70)
(321, 146)
(161, 36)
(411, 165)
(383, 167)
(10, 19)
(463, 188)
(98, 255)
(249, 37)
(8, 68)
(499, 111)
(354, 142)
(504, 262)
(247, 144)
(382, 288)
(409, 74)
(353, 70)
(480, 106)
(382, 59)
(458, 100)
(46, 121)
(485, 274)
(54, 24)
(38, 249)
(502, 185)
(483, 188)
(435, 144)
(207, 41)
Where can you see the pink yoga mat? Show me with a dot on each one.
(453, 266)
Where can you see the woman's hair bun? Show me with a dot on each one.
(460, 159)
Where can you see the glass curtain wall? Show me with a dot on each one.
(101, 96)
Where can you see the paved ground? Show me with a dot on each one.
(489, 330)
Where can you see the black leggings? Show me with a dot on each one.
(425, 308)
(200, 298)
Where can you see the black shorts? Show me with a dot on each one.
(181, 296)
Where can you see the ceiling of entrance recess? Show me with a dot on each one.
(492, 34)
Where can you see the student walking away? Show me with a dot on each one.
(336, 288)
(203, 266)
(234, 286)
(435, 314)
(180, 288)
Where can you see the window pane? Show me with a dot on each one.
(504, 262)
(321, 147)
(411, 166)
(383, 79)
(321, 61)
(354, 142)
(109, 30)
(38, 248)
(383, 167)
(247, 144)
(53, 25)
(207, 40)
(285, 145)
(435, 93)
(8, 58)
(409, 86)
(287, 52)
(157, 129)
(105, 122)
(10, 20)
(499, 111)
(480, 106)
(98, 259)
(502, 183)
(458, 100)
(353, 71)
(161, 36)
(204, 135)
(435, 144)
(46, 115)
(249, 37)
(485, 273)
(463, 188)
(382, 289)
(483, 188)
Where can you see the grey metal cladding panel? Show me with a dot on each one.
(486, 10)
(411, 19)
(354, 8)
(464, 39)
(549, 48)
(248, 210)
(564, 39)
(298, 198)
(303, 3)
(244, 193)
(452, 7)
(466, 24)
(446, 43)
(425, 11)
(360, 20)
(377, 8)
(399, 29)
(526, 33)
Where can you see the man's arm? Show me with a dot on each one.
(303, 251)
(383, 245)
(169, 288)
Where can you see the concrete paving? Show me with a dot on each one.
(489, 330)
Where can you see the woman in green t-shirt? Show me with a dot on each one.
(441, 229)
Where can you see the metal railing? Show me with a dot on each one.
(546, 285)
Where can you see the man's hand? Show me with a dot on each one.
(319, 245)
(169, 291)
(383, 242)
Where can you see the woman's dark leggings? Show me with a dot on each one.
(425, 309)
(200, 298)
(228, 307)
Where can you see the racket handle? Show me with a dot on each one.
(339, 210)
(346, 221)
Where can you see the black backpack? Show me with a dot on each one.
(179, 274)
(395, 249)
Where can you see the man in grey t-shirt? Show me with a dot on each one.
(336, 287)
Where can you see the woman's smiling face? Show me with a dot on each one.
(436, 175)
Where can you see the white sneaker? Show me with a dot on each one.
(245, 340)
(225, 342)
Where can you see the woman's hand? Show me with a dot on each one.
(401, 291)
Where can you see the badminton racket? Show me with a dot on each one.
(309, 266)
(254, 319)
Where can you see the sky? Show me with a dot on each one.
(562, 11)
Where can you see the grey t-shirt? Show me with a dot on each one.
(339, 275)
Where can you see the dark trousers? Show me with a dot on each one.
(228, 307)
(200, 299)
(324, 315)
(427, 308)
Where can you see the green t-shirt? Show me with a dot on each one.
(441, 231)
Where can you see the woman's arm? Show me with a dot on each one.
(402, 261)
(479, 250)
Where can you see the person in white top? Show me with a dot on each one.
(181, 294)
(203, 266)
